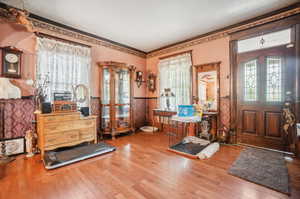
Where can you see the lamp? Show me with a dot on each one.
(139, 78)
(151, 82)
(167, 93)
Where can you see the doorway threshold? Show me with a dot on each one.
(268, 149)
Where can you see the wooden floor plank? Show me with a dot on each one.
(141, 167)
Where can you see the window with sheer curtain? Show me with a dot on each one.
(175, 73)
(66, 64)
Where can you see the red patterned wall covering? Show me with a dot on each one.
(17, 117)
(95, 109)
(1, 119)
(225, 111)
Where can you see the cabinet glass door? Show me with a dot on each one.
(122, 87)
(122, 98)
(122, 116)
(105, 124)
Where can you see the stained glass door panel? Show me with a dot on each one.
(274, 79)
(250, 80)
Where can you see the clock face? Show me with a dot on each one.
(11, 58)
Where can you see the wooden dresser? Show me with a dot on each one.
(64, 129)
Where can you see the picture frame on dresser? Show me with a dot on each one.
(12, 146)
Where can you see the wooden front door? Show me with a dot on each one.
(264, 79)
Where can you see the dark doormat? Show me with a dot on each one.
(188, 148)
(65, 156)
(263, 167)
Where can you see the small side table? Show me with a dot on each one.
(161, 114)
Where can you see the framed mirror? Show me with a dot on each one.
(81, 93)
(208, 86)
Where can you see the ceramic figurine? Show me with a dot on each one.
(29, 140)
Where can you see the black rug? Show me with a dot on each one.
(64, 156)
(263, 167)
(188, 148)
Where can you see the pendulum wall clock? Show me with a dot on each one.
(11, 62)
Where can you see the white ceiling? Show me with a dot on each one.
(149, 24)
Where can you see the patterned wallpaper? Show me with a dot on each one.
(16, 117)
(95, 109)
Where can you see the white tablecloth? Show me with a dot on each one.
(193, 119)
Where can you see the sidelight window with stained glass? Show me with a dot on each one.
(250, 80)
(274, 79)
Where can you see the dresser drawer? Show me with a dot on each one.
(84, 123)
(57, 130)
(61, 118)
(60, 138)
(57, 127)
(88, 133)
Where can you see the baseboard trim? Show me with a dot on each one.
(274, 150)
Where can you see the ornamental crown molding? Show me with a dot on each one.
(223, 33)
(42, 26)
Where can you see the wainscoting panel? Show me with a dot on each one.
(152, 103)
(249, 119)
(273, 124)
(140, 112)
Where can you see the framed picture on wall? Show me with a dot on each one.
(12, 146)
(11, 62)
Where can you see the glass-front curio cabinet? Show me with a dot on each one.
(116, 95)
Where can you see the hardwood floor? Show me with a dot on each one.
(140, 168)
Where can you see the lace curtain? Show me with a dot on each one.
(175, 73)
(66, 64)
